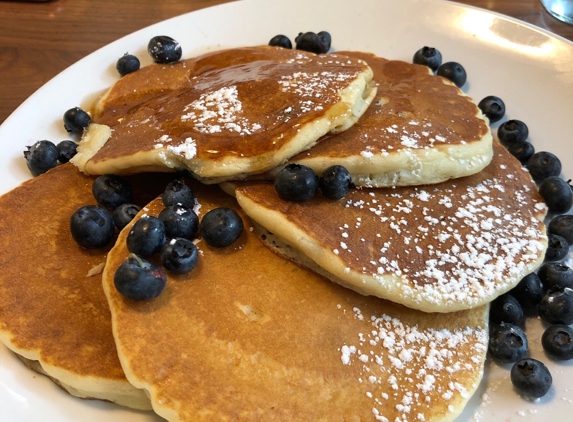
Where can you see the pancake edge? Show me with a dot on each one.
(120, 392)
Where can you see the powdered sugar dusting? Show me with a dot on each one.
(219, 111)
(447, 245)
(410, 371)
(187, 149)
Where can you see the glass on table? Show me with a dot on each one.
(561, 9)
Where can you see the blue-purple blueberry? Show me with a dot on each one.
(164, 49)
(179, 255)
(296, 182)
(146, 236)
(92, 227)
(138, 279)
(531, 378)
(41, 157)
(221, 227)
(110, 191)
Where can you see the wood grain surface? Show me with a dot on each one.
(39, 39)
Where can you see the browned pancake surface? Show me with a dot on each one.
(156, 79)
(412, 109)
(44, 285)
(250, 336)
(436, 248)
(52, 306)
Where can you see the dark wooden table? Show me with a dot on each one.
(40, 39)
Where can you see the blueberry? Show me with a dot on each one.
(123, 215)
(180, 221)
(178, 192)
(280, 41)
(563, 226)
(493, 107)
(555, 275)
(531, 378)
(41, 157)
(296, 183)
(138, 279)
(507, 343)
(557, 341)
(506, 309)
(76, 120)
(335, 182)
(428, 56)
(522, 150)
(557, 248)
(512, 131)
(179, 255)
(110, 191)
(126, 64)
(66, 150)
(542, 165)
(326, 39)
(454, 72)
(529, 291)
(556, 307)
(557, 194)
(92, 227)
(309, 41)
(164, 49)
(220, 227)
(146, 237)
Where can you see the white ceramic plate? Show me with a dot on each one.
(530, 69)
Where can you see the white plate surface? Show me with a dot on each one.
(530, 69)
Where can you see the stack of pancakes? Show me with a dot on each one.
(443, 221)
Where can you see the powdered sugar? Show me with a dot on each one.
(218, 111)
(448, 245)
(187, 149)
(411, 370)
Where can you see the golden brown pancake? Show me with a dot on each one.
(53, 312)
(247, 335)
(437, 248)
(420, 129)
(150, 81)
(242, 112)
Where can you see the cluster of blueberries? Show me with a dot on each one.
(547, 293)
(44, 155)
(306, 41)
(431, 57)
(170, 234)
(296, 182)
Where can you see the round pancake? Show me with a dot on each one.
(437, 248)
(250, 336)
(243, 111)
(53, 312)
(419, 129)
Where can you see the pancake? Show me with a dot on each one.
(243, 111)
(420, 129)
(53, 312)
(437, 248)
(247, 335)
(149, 82)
